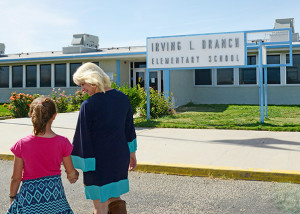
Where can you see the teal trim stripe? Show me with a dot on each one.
(107, 191)
(132, 146)
(85, 164)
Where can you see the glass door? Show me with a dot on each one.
(155, 78)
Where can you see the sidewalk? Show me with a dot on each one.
(236, 154)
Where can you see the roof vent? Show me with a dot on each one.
(82, 43)
(2, 48)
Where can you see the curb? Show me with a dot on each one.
(284, 176)
(6, 157)
(222, 172)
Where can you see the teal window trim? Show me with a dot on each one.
(85, 164)
(132, 146)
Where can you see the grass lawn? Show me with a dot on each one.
(246, 117)
(4, 111)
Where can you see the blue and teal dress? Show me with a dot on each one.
(104, 138)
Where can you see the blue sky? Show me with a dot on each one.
(48, 25)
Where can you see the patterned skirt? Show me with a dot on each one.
(41, 195)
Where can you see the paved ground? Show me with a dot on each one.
(169, 194)
(248, 152)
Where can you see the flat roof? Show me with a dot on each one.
(57, 55)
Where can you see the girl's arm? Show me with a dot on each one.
(72, 173)
(16, 177)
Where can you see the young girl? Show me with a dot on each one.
(37, 164)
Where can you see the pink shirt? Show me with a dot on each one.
(42, 156)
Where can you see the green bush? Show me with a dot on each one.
(160, 106)
(61, 100)
(133, 94)
(19, 104)
(77, 99)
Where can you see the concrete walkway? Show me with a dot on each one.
(253, 155)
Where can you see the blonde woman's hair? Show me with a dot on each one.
(92, 74)
(41, 111)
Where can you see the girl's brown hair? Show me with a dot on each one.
(41, 111)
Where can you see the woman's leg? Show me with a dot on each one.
(114, 199)
(99, 207)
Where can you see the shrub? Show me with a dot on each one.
(61, 100)
(133, 93)
(19, 104)
(160, 106)
(77, 99)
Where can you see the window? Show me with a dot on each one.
(225, 76)
(273, 74)
(73, 68)
(248, 75)
(45, 76)
(17, 76)
(4, 76)
(60, 75)
(131, 74)
(31, 76)
(96, 63)
(203, 77)
(293, 72)
(140, 65)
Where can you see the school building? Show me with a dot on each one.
(40, 72)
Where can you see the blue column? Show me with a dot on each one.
(260, 66)
(167, 83)
(148, 95)
(266, 91)
(118, 72)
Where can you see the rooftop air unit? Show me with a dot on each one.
(82, 43)
(2, 48)
(284, 23)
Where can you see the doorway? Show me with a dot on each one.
(155, 78)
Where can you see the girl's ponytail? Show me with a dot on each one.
(41, 111)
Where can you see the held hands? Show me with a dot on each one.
(73, 176)
(133, 161)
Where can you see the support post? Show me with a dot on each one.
(260, 66)
(266, 91)
(167, 83)
(148, 95)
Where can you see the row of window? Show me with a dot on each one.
(31, 71)
(225, 76)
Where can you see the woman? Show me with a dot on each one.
(104, 141)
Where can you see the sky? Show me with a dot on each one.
(49, 25)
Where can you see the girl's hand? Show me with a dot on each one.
(73, 176)
(11, 200)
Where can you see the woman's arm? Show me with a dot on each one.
(72, 173)
(16, 177)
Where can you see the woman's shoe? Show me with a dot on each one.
(117, 207)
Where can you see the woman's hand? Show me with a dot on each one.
(132, 164)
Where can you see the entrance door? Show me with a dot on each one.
(139, 77)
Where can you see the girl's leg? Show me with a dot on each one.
(99, 207)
